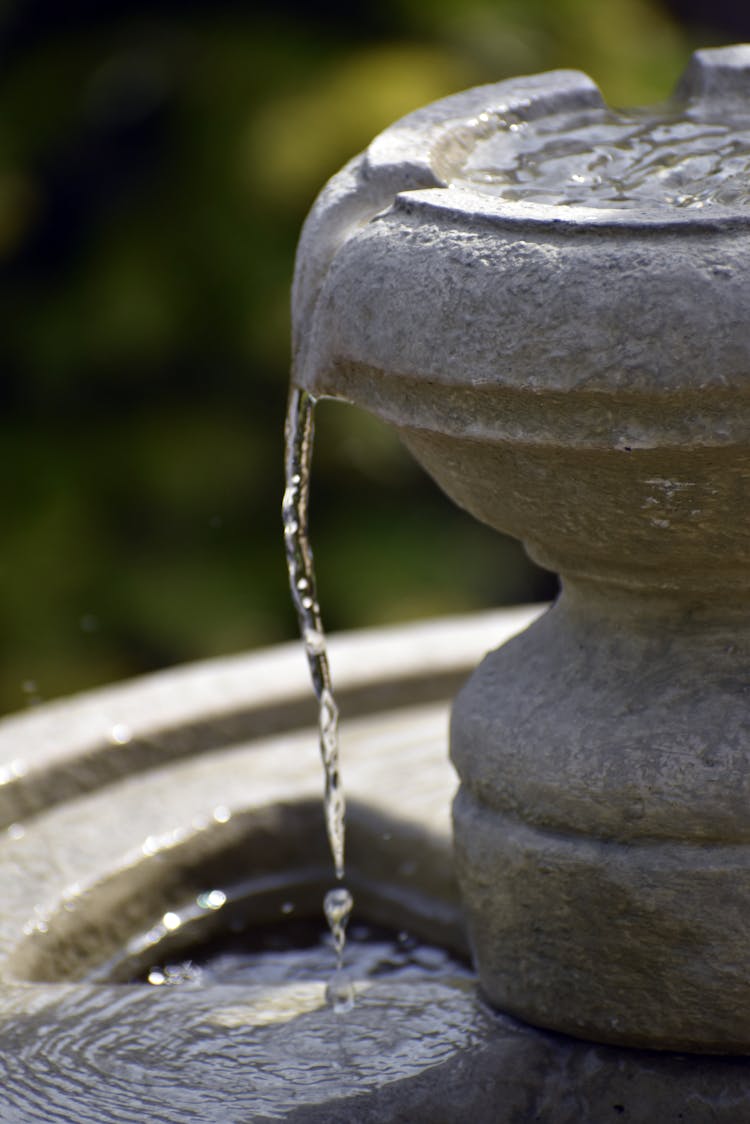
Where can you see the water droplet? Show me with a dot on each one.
(337, 906)
(287, 908)
(222, 814)
(120, 734)
(213, 899)
(16, 831)
(171, 922)
(13, 771)
(340, 993)
(156, 977)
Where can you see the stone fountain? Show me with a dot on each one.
(548, 299)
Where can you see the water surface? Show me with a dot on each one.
(608, 158)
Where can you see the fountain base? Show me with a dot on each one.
(219, 781)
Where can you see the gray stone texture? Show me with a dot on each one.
(578, 377)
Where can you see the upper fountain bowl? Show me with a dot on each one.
(548, 298)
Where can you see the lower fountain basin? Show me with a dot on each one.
(144, 820)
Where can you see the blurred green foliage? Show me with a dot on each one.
(156, 162)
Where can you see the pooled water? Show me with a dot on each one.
(238, 1038)
(299, 445)
(607, 158)
(298, 952)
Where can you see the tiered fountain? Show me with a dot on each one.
(549, 300)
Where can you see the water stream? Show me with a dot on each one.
(299, 445)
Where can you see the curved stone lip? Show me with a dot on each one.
(67, 747)
(411, 154)
(429, 140)
(220, 753)
(426, 145)
(461, 206)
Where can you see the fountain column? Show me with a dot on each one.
(601, 827)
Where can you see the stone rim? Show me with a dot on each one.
(429, 139)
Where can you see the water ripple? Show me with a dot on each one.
(133, 1052)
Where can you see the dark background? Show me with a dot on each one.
(156, 162)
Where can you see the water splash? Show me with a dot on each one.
(338, 907)
(299, 445)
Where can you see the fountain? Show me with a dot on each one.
(547, 298)
(552, 311)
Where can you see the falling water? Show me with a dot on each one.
(299, 445)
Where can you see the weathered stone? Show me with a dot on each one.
(574, 369)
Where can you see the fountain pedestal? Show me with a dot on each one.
(606, 863)
(549, 301)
